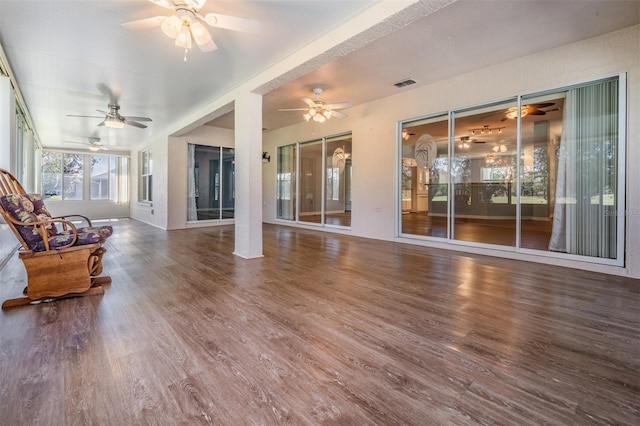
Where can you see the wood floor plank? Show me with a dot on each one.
(324, 329)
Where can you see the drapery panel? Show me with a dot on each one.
(584, 221)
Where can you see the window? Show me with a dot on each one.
(52, 175)
(539, 172)
(100, 177)
(63, 177)
(146, 176)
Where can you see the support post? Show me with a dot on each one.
(248, 175)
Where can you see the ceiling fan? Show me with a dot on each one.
(530, 109)
(406, 134)
(113, 119)
(185, 24)
(465, 142)
(318, 110)
(93, 143)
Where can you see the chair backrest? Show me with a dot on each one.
(9, 184)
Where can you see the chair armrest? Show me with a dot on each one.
(41, 226)
(86, 219)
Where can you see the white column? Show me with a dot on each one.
(248, 175)
(7, 125)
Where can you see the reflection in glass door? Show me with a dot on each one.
(483, 172)
(544, 173)
(338, 181)
(286, 180)
(425, 177)
(311, 182)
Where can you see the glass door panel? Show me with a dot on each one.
(589, 194)
(228, 193)
(337, 190)
(541, 131)
(286, 181)
(425, 177)
(206, 180)
(310, 194)
(483, 175)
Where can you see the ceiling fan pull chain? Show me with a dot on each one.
(185, 54)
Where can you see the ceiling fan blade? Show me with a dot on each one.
(232, 23)
(143, 24)
(338, 114)
(537, 112)
(293, 109)
(128, 117)
(104, 112)
(209, 46)
(85, 116)
(341, 105)
(101, 123)
(196, 4)
(542, 105)
(164, 3)
(134, 124)
(309, 102)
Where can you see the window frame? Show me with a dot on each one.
(118, 177)
(620, 211)
(145, 176)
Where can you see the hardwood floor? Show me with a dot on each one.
(325, 329)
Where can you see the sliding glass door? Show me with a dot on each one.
(314, 182)
(541, 172)
(210, 183)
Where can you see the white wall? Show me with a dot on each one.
(374, 132)
(94, 209)
(7, 161)
(154, 213)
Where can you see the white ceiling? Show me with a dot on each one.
(73, 57)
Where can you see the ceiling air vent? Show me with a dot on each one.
(405, 82)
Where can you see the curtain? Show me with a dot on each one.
(584, 221)
(192, 190)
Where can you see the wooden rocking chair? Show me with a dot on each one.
(61, 259)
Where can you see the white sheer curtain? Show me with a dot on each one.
(584, 221)
(192, 190)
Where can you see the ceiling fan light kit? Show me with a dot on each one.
(184, 25)
(113, 122)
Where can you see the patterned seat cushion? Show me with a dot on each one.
(104, 231)
(29, 208)
(64, 238)
(21, 207)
